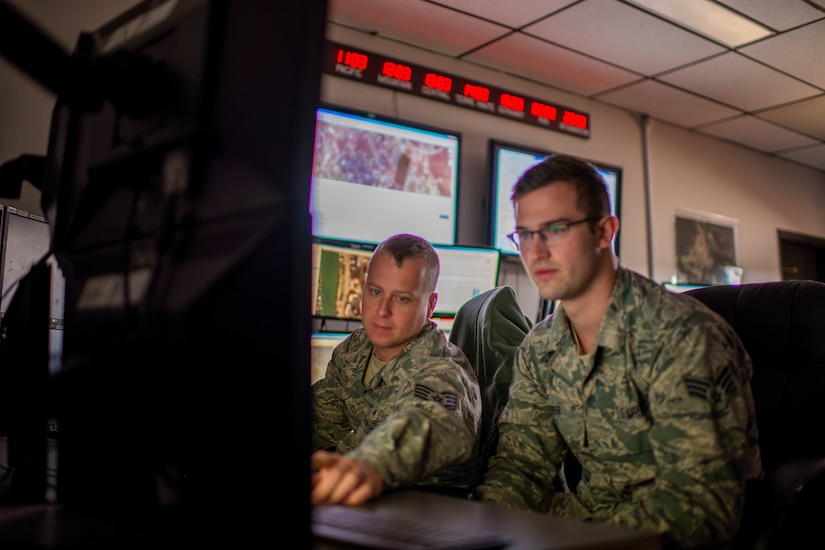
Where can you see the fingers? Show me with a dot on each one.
(369, 488)
(320, 459)
(341, 480)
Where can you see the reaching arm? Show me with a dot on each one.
(432, 425)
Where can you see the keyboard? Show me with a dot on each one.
(369, 528)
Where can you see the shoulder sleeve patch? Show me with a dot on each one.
(447, 398)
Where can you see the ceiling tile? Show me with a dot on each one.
(741, 82)
(514, 13)
(799, 52)
(623, 35)
(531, 58)
(806, 116)
(667, 103)
(758, 133)
(779, 15)
(814, 156)
(421, 24)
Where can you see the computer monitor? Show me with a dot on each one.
(25, 241)
(339, 270)
(180, 225)
(375, 176)
(507, 162)
(321, 345)
(466, 271)
(678, 288)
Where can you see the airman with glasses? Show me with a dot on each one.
(649, 391)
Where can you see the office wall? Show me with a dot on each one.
(687, 172)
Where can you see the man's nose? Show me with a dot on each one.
(384, 306)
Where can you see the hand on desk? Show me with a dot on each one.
(337, 479)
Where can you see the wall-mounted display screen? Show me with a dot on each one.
(507, 163)
(465, 272)
(339, 270)
(373, 177)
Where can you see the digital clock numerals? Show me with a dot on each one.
(541, 110)
(355, 60)
(576, 120)
(438, 82)
(512, 102)
(479, 93)
(374, 68)
(397, 71)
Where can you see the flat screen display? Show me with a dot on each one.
(507, 163)
(321, 346)
(465, 273)
(339, 270)
(373, 177)
(678, 288)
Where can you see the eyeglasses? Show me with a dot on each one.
(551, 234)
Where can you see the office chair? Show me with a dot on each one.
(782, 325)
(488, 328)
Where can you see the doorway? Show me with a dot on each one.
(801, 256)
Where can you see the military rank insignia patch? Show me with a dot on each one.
(716, 391)
(447, 398)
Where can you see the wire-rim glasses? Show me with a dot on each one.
(551, 233)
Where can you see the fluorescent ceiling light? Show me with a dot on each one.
(709, 19)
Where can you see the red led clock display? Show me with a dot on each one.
(438, 82)
(479, 93)
(396, 70)
(381, 70)
(353, 59)
(543, 111)
(576, 120)
(511, 101)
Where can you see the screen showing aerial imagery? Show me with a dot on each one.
(373, 178)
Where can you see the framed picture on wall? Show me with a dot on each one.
(705, 247)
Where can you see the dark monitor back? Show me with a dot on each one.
(181, 227)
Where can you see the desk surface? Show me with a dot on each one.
(529, 530)
(52, 527)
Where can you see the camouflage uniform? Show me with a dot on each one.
(660, 415)
(417, 417)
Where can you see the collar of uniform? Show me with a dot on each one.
(611, 329)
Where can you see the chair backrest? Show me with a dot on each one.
(488, 328)
(782, 325)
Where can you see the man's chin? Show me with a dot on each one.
(548, 292)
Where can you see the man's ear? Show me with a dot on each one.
(431, 304)
(607, 231)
